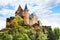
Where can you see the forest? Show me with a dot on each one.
(19, 31)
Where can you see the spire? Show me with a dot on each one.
(19, 8)
(25, 7)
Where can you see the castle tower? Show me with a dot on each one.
(33, 19)
(19, 11)
(26, 15)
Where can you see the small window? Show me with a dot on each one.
(22, 16)
(30, 18)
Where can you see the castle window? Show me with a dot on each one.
(16, 12)
(22, 16)
(30, 18)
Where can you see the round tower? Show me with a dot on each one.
(26, 15)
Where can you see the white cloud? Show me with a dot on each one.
(7, 13)
(42, 9)
(2, 23)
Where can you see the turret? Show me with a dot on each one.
(26, 15)
(33, 19)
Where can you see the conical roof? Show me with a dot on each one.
(26, 6)
(33, 14)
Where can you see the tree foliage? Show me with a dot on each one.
(57, 33)
(19, 31)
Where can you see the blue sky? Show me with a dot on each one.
(56, 9)
(48, 11)
(8, 6)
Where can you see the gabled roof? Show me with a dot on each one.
(19, 8)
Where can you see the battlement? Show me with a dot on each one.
(9, 19)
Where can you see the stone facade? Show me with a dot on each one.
(33, 19)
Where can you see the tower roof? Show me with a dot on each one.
(25, 7)
(19, 8)
(33, 14)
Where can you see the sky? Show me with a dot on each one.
(47, 11)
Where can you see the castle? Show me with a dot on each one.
(30, 19)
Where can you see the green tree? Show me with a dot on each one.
(51, 35)
(21, 37)
(15, 22)
(57, 33)
(20, 31)
(5, 36)
(42, 36)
